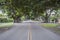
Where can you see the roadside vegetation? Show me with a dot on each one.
(53, 27)
(3, 25)
(49, 25)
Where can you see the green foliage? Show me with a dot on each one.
(24, 7)
(5, 20)
(18, 8)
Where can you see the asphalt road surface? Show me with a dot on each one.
(28, 31)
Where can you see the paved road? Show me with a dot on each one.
(28, 31)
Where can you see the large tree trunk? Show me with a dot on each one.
(46, 18)
(17, 20)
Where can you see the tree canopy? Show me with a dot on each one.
(30, 8)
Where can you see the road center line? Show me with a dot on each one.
(29, 33)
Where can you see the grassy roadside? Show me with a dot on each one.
(53, 27)
(49, 25)
(3, 25)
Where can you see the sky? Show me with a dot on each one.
(0, 12)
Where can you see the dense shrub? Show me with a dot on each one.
(3, 20)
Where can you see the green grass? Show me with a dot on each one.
(2, 25)
(49, 25)
(53, 27)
